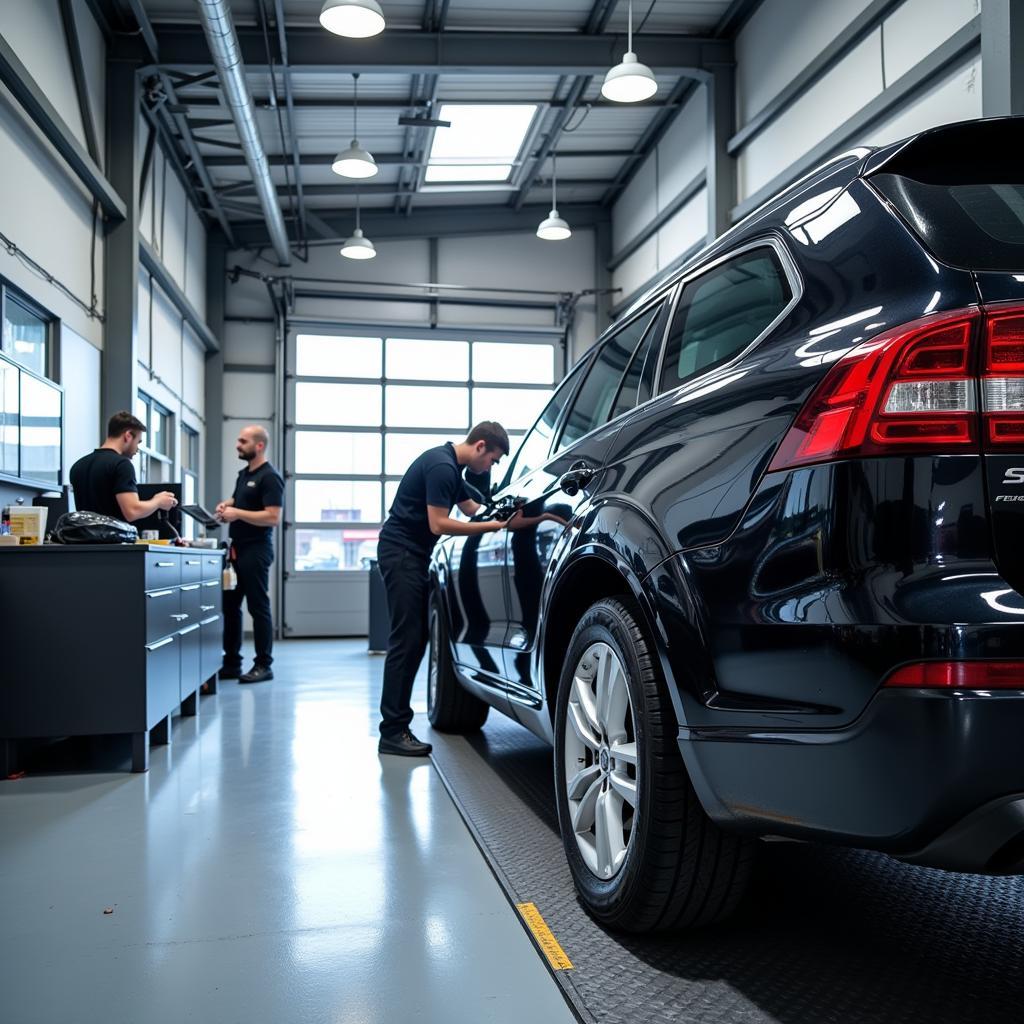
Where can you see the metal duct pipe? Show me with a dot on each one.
(227, 58)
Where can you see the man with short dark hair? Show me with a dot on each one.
(253, 512)
(420, 514)
(104, 480)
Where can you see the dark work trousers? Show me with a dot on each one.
(406, 583)
(252, 564)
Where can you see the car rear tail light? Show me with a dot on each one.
(909, 389)
(1002, 382)
(960, 675)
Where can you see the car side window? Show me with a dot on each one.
(533, 451)
(631, 391)
(721, 312)
(593, 403)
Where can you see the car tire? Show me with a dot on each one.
(450, 706)
(671, 867)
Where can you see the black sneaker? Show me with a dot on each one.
(404, 745)
(229, 673)
(257, 674)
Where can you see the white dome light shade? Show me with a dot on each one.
(354, 162)
(358, 247)
(356, 19)
(629, 82)
(554, 229)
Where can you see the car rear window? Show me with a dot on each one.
(973, 225)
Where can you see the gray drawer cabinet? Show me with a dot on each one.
(102, 639)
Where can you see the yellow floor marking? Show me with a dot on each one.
(545, 939)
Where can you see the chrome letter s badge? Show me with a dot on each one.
(1014, 475)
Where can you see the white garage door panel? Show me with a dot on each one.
(330, 607)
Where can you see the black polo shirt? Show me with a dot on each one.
(97, 479)
(254, 492)
(435, 478)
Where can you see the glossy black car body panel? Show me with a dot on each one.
(778, 602)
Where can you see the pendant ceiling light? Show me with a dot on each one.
(356, 19)
(553, 229)
(358, 246)
(355, 162)
(630, 81)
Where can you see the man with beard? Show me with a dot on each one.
(253, 512)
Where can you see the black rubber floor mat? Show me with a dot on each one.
(825, 934)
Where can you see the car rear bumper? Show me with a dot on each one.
(933, 777)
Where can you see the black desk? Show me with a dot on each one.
(101, 639)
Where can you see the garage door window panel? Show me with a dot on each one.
(318, 355)
(337, 501)
(338, 405)
(505, 362)
(513, 408)
(722, 313)
(413, 406)
(337, 453)
(414, 359)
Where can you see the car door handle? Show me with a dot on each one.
(580, 474)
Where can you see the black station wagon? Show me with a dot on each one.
(768, 574)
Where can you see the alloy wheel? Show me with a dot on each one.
(601, 771)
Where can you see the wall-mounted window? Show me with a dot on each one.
(26, 332)
(154, 463)
(189, 477)
(31, 426)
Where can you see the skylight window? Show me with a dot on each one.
(482, 144)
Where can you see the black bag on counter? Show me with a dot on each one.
(92, 528)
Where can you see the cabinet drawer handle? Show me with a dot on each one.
(211, 619)
(212, 583)
(189, 629)
(207, 607)
(165, 565)
(160, 593)
(191, 586)
(192, 561)
(160, 643)
(180, 617)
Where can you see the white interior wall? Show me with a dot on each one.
(41, 210)
(776, 45)
(80, 368)
(676, 161)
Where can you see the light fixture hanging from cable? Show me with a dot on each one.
(355, 162)
(553, 228)
(630, 81)
(357, 19)
(357, 246)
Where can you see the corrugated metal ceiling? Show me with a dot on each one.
(323, 118)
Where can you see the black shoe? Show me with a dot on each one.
(229, 673)
(257, 674)
(404, 745)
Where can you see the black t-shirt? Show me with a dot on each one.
(435, 478)
(254, 492)
(97, 479)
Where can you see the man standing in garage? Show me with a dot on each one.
(420, 514)
(253, 512)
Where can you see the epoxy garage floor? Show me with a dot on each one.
(270, 868)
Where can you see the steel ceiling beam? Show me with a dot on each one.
(339, 103)
(397, 188)
(392, 159)
(432, 221)
(450, 53)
